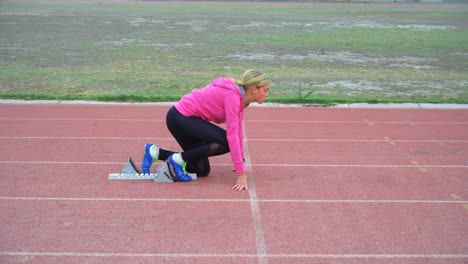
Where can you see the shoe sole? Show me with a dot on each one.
(133, 165)
(144, 155)
(171, 171)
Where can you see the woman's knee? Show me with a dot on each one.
(204, 173)
(204, 170)
(202, 167)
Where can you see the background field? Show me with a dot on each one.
(146, 51)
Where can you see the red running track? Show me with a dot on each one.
(327, 185)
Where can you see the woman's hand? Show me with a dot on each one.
(241, 182)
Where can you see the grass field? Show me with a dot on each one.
(318, 53)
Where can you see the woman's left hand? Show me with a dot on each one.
(241, 183)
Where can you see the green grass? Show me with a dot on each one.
(159, 52)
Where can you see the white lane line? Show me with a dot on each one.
(247, 121)
(366, 256)
(82, 119)
(191, 200)
(254, 164)
(202, 255)
(259, 234)
(360, 165)
(162, 255)
(358, 140)
(62, 162)
(359, 122)
(362, 201)
(250, 139)
(93, 138)
(104, 199)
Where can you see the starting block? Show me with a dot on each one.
(131, 172)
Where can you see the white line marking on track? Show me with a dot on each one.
(359, 165)
(191, 200)
(259, 235)
(247, 121)
(357, 140)
(83, 119)
(356, 201)
(92, 138)
(367, 256)
(357, 122)
(255, 164)
(202, 255)
(251, 139)
(104, 199)
(64, 162)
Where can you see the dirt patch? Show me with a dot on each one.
(365, 87)
(142, 42)
(138, 21)
(313, 26)
(375, 25)
(344, 57)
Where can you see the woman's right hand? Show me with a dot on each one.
(241, 183)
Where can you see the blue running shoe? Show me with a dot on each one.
(178, 170)
(147, 160)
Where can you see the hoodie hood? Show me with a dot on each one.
(229, 84)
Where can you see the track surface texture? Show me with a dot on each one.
(326, 185)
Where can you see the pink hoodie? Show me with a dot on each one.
(220, 102)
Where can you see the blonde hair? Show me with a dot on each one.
(252, 78)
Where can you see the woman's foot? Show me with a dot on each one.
(147, 159)
(178, 169)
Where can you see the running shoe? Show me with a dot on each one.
(147, 160)
(178, 170)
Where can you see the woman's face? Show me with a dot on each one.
(261, 93)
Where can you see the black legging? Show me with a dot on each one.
(198, 138)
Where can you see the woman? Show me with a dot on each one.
(190, 122)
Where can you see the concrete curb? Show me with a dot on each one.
(356, 105)
(405, 106)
